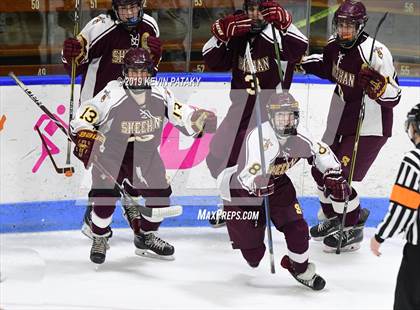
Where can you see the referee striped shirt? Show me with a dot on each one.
(403, 214)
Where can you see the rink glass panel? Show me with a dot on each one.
(32, 31)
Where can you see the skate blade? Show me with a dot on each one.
(349, 248)
(150, 254)
(318, 238)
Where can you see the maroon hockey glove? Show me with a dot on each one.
(336, 185)
(274, 13)
(263, 186)
(372, 82)
(231, 26)
(203, 121)
(155, 45)
(88, 143)
(72, 48)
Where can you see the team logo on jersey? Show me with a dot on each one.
(135, 39)
(105, 95)
(99, 19)
(378, 51)
(267, 144)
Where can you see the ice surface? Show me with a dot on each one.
(53, 271)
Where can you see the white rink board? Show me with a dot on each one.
(20, 146)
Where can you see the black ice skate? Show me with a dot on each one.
(87, 224)
(99, 247)
(352, 238)
(149, 245)
(325, 228)
(308, 278)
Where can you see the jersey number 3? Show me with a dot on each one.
(249, 79)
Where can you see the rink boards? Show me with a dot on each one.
(34, 197)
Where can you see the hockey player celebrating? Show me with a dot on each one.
(403, 216)
(283, 148)
(226, 51)
(121, 128)
(345, 62)
(100, 47)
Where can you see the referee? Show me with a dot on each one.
(404, 216)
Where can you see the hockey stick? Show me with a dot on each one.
(261, 147)
(277, 51)
(356, 140)
(64, 170)
(150, 212)
(73, 75)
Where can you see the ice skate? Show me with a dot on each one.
(149, 245)
(308, 278)
(99, 247)
(352, 238)
(325, 228)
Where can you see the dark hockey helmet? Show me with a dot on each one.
(258, 25)
(140, 60)
(413, 119)
(133, 21)
(353, 14)
(283, 114)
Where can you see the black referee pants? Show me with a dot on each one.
(407, 292)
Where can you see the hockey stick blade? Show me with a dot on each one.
(147, 211)
(68, 171)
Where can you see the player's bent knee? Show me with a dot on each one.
(253, 256)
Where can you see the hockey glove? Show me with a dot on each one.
(263, 186)
(372, 82)
(203, 121)
(275, 14)
(336, 185)
(73, 48)
(88, 143)
(155, 46)
(231, 26)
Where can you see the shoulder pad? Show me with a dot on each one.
(97, 28)
(149, 20)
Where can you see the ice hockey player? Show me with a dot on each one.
(226, 51)
(121, 128)
(345, 62)
(100, 47)
(283, 148)
(404, 216)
